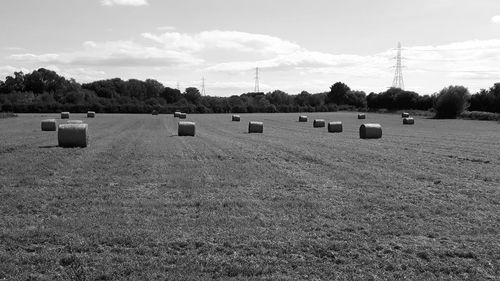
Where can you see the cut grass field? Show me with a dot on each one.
(293, 203)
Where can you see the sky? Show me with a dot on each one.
(296, 44)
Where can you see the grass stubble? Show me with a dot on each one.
(294, 203)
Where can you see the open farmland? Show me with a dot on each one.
(293, 203)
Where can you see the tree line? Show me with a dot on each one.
(45, 91)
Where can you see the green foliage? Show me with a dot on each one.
(338, 93)
(451, 101)
(480, 115)
(486, 100)
(397, 99)
(45, 91)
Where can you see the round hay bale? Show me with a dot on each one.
(64, 115)
(182, 115)
(405, 115)
(90, 114)
(235, 118)
(73, 135)
(75, 121)
(49, 125)
(302, 118)
(361, 116)
(318, 123)
(177, 114)
(186, 128)
(335, 127)
(408, 121)
(370, 131)
(154, 112)
(255, 127)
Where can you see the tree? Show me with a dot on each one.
(192, 95)
(16, 83)
(171, 95)
(302, 99)
(451, 101)
(153, 88)
(338, 93)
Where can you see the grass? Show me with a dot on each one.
(7, 115)
(293, 203)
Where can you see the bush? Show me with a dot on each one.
(480, 115)
(451, 101)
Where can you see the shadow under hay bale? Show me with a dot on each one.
(186, 128)
(73, 135)
(335, 127)
(405, 115)
(255, 127)
(408, 121)
(235, 118)
(302, 118)
(90, 114)
(65, 115)
(361, 116)
(318, 123)
(49, 125)
(370, 131)
(182, 115)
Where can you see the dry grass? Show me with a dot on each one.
(141, 204)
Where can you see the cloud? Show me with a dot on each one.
(165, 28)
(229, 57)
(114, 53)
(227, 40)
(89, 44)
(124, 2)
(475, 57)
(495, 19)
(9, 70)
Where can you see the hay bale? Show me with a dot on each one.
(49, 125)
(64, 115)
(361, 116)
(177, 114)
(73, 135)
(155, 112)
(405, 115)
(90, 114)
(408, 121)
(186, 128)
(335, 127)
(255, 127)
(302, 118)
(370, 131)
(318, 123)
(182, 115)
(75, 121)
(235, 118)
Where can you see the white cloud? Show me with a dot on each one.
(9, 70)
(114, 53)
(89, 44)
(229, 40)
(124, 2)
(231, 56)
(495, 19)
(166, 27)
